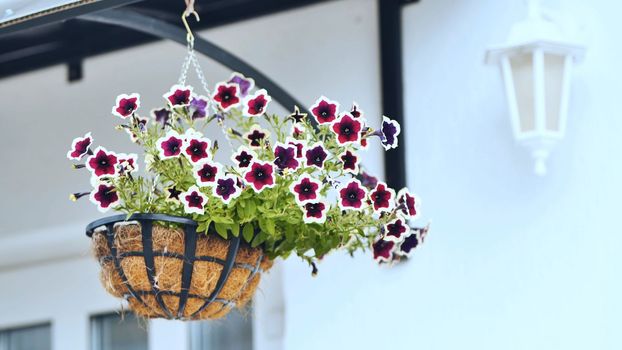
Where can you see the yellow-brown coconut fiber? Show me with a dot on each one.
(237, 290)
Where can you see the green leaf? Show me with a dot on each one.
(235, 229)
(260, 238)
(248, 231)
(222, 229)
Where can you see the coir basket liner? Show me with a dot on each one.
(174, 272)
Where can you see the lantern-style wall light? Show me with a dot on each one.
(536, 65)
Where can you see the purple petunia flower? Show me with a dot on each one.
(226, 188)
(347, 129)
(390, 130)
(411, 241)
(408, 203)
(382, 198)
(350, 162)
(352, 195)
(256, 136)
(170, 145)
(227, 95)
(80, 146)
(324, 110)
(193, 200)
(126, 105)
(173, 194)
(128, 163)
(314, 212)
(206, 172)
(300, 146)
(243, 157)
(161, 115)
(356, 112)
(196, 149)
(383, 250)
(297, 116)
(316, 155)
(257, 104)
(198, 107)
(104, 196)
(245, 84)
(178, 95)
(367, 180)
(395, 230)
(260, 175)
(305, 189)
(102, 163)
(285, 157)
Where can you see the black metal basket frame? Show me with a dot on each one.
(189, 257)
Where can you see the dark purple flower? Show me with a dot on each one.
(297, 116)
(314, 212)
(410, 242)
(245, 84)
(285, 157)
(260, 175)
(194, 201)
(352, 196)
(206, 172)
(350, 162)
(316, 155)
(173, 194)
(325, 110)
(356, 112)
(395, 230)
(179, 95)
(80, 147)
(196, 149)
(104, 196)
(102, 162)
(128, 163)
(390, 130)
(161, 115)
(300, 146)
(198, 107)
(126, 105)
(367, 180)
(382, 197)
(408, 203)
(170, 145)
(256, 136)
(347, 129)
(383, 250)
(256, 104)
(226, 95)
(243, 157)
(226, 188)
(305, 189)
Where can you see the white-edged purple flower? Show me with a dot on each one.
(350, 162)
(390, 130)
(170, 145)
(383, 250)
(128, 163)
(226, 95)
(300, 146)
(196, 148)
(256, 104)
(315, 155)
(102, 163)
(411, 241)
(104, 196)
(193, 200)
(408, 204)
(172, 194)
(260, 175)
(126, 105)
(382, 198)
(80, 146)
(243, 157)
(256, 136)
(297, 116)
(306, 189)
(206, 172)
(161, 116)
(245, 84)
(348, 129)
(178, 95)
(352, 195)
(395, 230)
(285, 156)
(198, 107)
(226, 188)
(314, 212)
(324, 110)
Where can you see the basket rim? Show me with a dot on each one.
(90, 228)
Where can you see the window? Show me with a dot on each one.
(234, 332)
(118, 332)
(26, 338)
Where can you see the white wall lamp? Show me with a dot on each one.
(536, 64)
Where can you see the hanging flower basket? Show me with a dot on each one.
(163, 268)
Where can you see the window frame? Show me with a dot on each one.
(5, 333)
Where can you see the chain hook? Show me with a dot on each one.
(189, 11)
